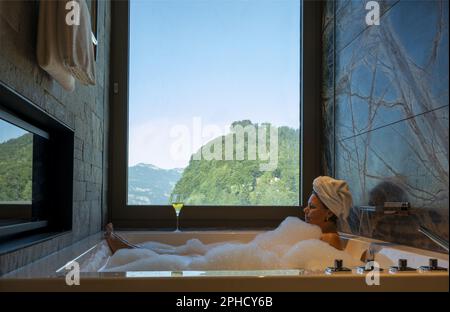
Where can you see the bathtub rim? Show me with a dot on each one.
(95, 241)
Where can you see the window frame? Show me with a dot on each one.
(53, 216)
(159, 217)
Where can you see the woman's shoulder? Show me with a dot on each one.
(333, 239)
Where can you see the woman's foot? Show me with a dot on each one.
(108, 230)
(114, 241)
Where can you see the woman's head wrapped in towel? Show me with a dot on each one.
(329, 202)
(334, 194)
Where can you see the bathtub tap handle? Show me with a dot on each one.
(402, 267)
(338, 267)
(433, 265)
(402, 264)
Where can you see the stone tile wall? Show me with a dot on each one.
(85, 110)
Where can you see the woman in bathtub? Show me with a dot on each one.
(329, 202)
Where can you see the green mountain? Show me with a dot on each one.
(203, 182)
(242, 182)
(16, 165)
(150, 185)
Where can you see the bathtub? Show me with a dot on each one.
(49, 274)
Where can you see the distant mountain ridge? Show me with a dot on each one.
(151, 185)
(219, 182)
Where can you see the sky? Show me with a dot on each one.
(9, 131)
(206, 64)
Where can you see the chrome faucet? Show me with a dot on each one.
(435, 238)
(374, 247)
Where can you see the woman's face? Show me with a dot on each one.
(316, 213)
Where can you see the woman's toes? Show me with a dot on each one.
(108, 230)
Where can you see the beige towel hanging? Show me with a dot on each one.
(48, 55)
(75, 43)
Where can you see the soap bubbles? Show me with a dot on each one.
(293, 245)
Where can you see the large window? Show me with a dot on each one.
(208, 102)
(214, 102)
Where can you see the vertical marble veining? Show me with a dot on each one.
(389, 120)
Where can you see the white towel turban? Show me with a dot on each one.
(334, 194)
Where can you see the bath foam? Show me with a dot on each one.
(293, 245)
(96, 259)
(192, 247)
(289, 232)
(155, 262)
(126, 256)
(315, 255)
(237, 257)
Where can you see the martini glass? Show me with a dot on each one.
(177, 204)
